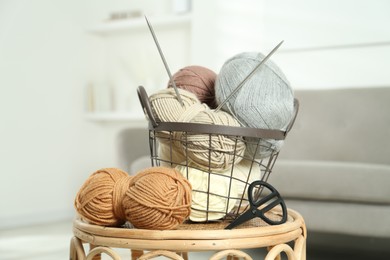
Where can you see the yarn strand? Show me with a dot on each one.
(249, 76)
(158, 198)
(98, 200)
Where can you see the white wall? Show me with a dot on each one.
(47, 148)
(327, 44)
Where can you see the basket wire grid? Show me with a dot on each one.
(257, 168)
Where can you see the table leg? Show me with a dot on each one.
(76, 249)
(300, 248)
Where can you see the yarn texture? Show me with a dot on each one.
(170, 155)
(265, 100)
(99, 199)
(198, 80)
(167, 108)
(222, 151)
(244, 173)
(157, 198)
(195, 146)
(209, 202)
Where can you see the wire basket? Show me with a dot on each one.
(217, 195)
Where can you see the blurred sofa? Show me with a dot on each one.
(335, 165)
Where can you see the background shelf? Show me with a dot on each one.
(111, 27)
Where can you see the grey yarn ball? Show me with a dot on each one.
(266, 100)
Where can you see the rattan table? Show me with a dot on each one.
(289, 238)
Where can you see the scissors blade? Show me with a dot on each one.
(164, 61)
(249, 75)
(244, 217)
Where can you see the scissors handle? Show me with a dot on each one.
(255, 211)
(270, 206)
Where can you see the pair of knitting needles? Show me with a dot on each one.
(231, 94)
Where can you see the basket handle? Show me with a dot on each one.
(146, 107)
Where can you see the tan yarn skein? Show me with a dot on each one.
(171, 149)
(158, 198)
(197, 146)
(99, 199)
(223, 148)
(166, 108)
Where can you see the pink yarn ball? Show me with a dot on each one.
(198, 80)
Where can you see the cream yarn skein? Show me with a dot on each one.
(243, 175)
(218, 202)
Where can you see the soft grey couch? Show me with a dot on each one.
(335, 165)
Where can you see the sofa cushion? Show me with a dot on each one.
(344, 218)
(341, 125)
(333, 181)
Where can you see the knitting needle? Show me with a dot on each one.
(247, 77)
(164, 61)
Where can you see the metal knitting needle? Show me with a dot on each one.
(250, 75)
(164, 61)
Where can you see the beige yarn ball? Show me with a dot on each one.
(171, 147)
(224, 150)
(196, 147)
(166, 106)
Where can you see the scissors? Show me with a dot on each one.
(269, 202)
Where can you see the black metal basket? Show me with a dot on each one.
(223, 193)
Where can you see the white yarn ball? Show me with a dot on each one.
(170, 155)
(218, 202)
(266, 100)
(244, 175)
